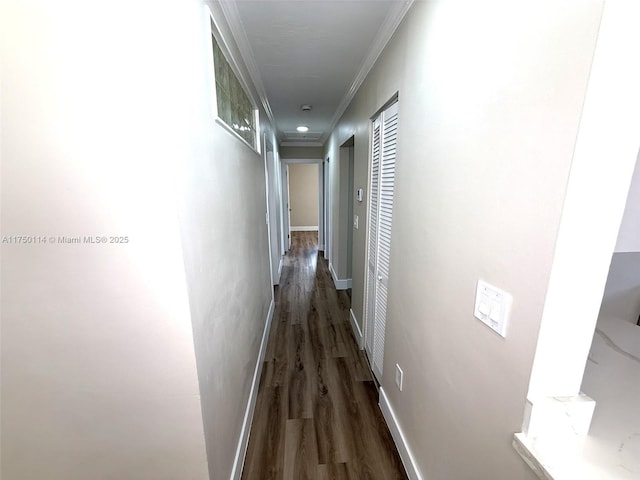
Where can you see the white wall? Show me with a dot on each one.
(107, 130)
(629, 235)
(98, 367)
(491, 96)
(303, 194)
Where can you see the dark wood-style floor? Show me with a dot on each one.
(317, 414)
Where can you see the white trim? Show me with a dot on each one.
(386, 31)
(223, 124)
(267, 179)
(243, 441)
(309, 228)
(341, 284)
(301, 144)
(280, 265)
(320, 206)
(326, 198)
(408, 460)
(321, 247)
(357, 333)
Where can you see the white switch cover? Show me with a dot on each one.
(492, 307)
(355, 222)
(399, 375)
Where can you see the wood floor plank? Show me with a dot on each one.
(317, 413)
(267, 429)
(355, 357)
(330, 434)
(300, 451)
(334, 471)
(281, 353)
(381, 442)
(300, 379)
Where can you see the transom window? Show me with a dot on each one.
(234, 107)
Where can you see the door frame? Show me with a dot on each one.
(286, 204)
(327, 208)
(274, 227)
(369, 320)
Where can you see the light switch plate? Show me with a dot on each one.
(355, 222)
(399, 375)
(492, 307)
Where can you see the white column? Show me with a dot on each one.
(604, 159)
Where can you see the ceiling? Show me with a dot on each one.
(314, 52)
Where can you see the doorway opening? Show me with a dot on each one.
(302, 195)
(346, 224)
(346, 203)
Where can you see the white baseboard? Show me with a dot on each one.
(243, 442)
(341, 284)
(401, 442)
(357, 333)
(304, 229)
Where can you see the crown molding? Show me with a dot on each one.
(232, 16)
(301, 144)
(397, 14)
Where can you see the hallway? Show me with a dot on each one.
(317, 414)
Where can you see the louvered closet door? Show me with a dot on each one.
(383, 167)
(373, 238)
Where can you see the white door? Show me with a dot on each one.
(381, 188)
(327, 211)
(272, 213)
(286, 210)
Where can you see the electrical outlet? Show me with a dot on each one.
(355, 222)
(399, 374)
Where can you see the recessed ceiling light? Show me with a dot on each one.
(302, 129)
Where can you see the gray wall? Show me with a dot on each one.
(222, 194)
(98, 365)
(629, 235)
(622, 293)
(490, 102)
(313, 153)
(107, 131)
(621, 298)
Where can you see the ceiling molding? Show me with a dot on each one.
(301, 137)
(301, 144)
(397, 13)
(302, 160)
(232, 16)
